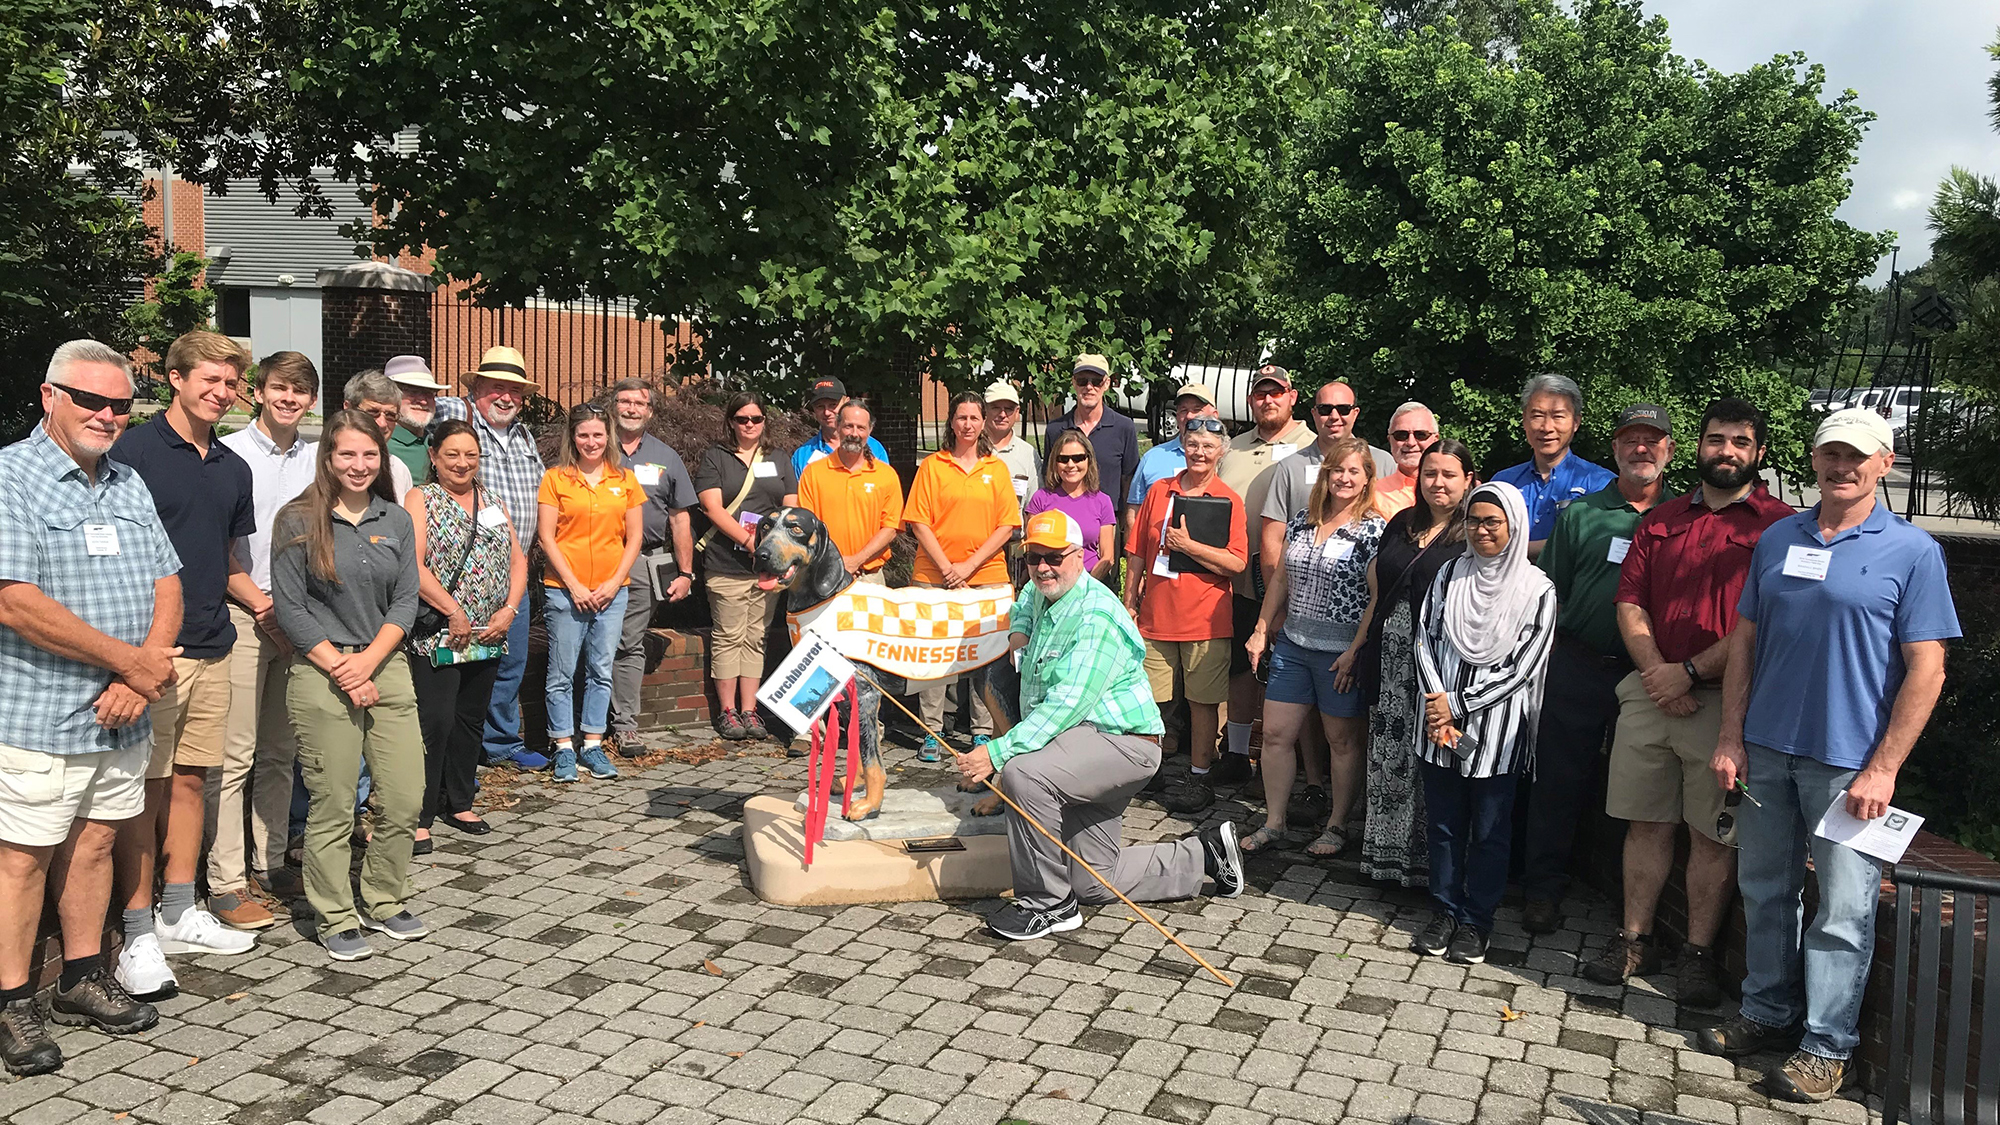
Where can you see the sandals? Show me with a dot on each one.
(1331, 843)
(1264, 837)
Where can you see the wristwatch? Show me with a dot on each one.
(1694, 677)
(687, 574)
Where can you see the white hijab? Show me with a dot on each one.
(1488, 600)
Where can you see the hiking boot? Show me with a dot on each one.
(1222, 859)
(753, 728)
(1628, 955)
(1807, 1077)
(1230, 769)
(238, 912)
(1698, 978)
(730, 725)
(1022, 923)
(1436, 937)
(630, 745)
(99, 1001)
(1540, 916)
(1193, 794)
(1468, 947)
(25, 1045)
(1740, 1035)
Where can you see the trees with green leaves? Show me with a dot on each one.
(1589, 203)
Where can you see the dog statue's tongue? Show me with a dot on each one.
(766, 582)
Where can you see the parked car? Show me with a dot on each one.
(1153, 402)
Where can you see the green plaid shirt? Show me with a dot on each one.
(1084, 663)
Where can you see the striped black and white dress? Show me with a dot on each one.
(1498, 706)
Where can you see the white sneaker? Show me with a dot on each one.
(143, 971)
(198, 931)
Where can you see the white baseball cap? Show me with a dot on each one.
(1857, 426)
(1000, 390)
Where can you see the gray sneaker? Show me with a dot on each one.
(405, 926)
(347, 945)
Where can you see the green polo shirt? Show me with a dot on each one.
(1590, 533)
(409, 448)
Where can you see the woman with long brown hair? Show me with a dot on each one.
(1070, 485)
(344, 579)
(738, 483)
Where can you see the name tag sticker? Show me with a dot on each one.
(1618, 548)
(100, 538)
(1280, 452)
(769, 468)
(649, 475)
(1807, 562)
(1338, 548)
(491, 516)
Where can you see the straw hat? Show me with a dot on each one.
(502, 363)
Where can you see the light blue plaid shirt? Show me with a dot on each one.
(510, 465)
(51, 503)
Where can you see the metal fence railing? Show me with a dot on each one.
(1932, 1073)
(572, 348)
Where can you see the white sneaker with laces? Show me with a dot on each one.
(143, 970)
(198, 931)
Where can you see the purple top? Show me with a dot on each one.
(1092, 511)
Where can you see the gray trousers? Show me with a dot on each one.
(1077, 787)
(629, 666)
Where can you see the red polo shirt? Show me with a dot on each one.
(1687, 564)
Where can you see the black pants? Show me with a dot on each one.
(451, 709)
(1578, 707)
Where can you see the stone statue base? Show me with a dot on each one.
(872, 864)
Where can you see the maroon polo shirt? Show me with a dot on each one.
(1687, 564)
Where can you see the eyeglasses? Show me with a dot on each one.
(1486, 523)
(748, 419)
(1411, 435)
(1205, 425)
(1089, 380)
(93, 402)
(1046, 558)
(1341, 408)
(1072, 458)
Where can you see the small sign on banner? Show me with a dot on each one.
(804, 685)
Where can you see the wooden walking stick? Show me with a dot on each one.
(1057, 841)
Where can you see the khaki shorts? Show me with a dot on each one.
(1659, 763)
(1203, 665)
(191, 719)
(41, 794)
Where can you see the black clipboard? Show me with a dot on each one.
(1207, 523)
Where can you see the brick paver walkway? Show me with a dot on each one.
(600, 957)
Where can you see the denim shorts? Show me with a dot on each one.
(1305, 676)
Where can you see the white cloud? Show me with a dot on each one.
(1908, 199)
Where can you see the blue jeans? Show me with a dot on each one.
(594, 637)
(1471, 835)
(503, 711)
(1821, 978)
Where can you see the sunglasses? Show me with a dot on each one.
(1411, 435)
(587, 410)
(1072, 458)
(1486, 523)
(1046, 558)
(1725, 823)
(1089, 380)
(92, 402)
(748, 419)
(1341, 408)
(1205, 425)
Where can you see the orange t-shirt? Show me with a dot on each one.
(590, 521)
(1394, 493)
(1193, 605)
(962, 509)
(854, 504)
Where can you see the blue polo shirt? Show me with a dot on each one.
(819, 447)
(1829, 655)
(1116, 440)
(1572, 479)
(1157, 464)
(204, 503)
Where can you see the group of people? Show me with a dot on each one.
(221, 644)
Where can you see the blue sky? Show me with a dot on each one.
(1921, 67)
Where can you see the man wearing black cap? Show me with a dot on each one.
(823, 402)
(1582, 559)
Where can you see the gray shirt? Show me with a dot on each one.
(664, 476)
(376, 560)
(1292, 483)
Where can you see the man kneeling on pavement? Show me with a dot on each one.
(1088, 739)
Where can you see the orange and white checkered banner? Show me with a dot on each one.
(913, 632)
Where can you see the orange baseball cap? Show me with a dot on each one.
(1053, 529)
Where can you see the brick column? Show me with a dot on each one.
(369, 311)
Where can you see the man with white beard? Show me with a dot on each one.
(420, 389)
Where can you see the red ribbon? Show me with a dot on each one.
(825, 743)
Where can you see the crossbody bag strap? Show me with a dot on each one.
(742, 494)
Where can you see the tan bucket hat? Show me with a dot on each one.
(502, 363)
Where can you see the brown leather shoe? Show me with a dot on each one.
(1628, 955)
(1807, 1077)
(25, 1045)
(238, 911)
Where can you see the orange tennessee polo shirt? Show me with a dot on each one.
(854, 504)
(590, 521)
(962, 508)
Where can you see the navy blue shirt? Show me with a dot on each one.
(1829, 650)
(1116, 443)
(1573, 478)
(204, 503)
